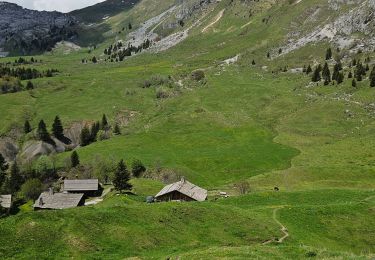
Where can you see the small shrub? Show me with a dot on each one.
(31, 189)
(198, 75)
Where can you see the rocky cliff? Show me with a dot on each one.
(24, 31)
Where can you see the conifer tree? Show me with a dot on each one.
(308, 70)
(340, 78)
(354, 83)
(85, 137)
(117, 130)
(104, 122)
(3, 168)
(27, 127)
(94, 131)
(74, 159)
(253, 62)
(350, 75)
(42, 132)
(326, 73)
(372, 78)
(329, 54)
(336, 71)
(57, 129)
(316, 75)
(121, 177)
(29, 85)
(15, 179)
(137, 168)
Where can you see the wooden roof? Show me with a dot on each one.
(48, 200)
(6, 201)
(81, 185)
(185, 188)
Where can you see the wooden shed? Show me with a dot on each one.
(181, 191)
(50, 200)
(88, 187)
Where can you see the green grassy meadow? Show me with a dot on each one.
(243, 123)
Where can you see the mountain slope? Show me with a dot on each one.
(26, 31)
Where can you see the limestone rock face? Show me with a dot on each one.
(27, 31)
(8, 148)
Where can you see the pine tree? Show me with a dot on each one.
(316, 75)
(326, 74)
(94, 60)
(57, 129)
(372, 78)
(29, 85)
(121, 177)
(117, 130)
(354, 83)
(308, 70)
(15, 179)
(85, 137)
(340, 78)
(94, 131)
(336, 72)
(42, 132)
(3, 168)
(137, 168)
(74, 159)
(27, 127)
(130, 26)
(350, 75)
(329, 54)
(104, 122)
(253, 62)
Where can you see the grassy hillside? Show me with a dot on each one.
(243, 122)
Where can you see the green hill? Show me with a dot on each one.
(252, 116)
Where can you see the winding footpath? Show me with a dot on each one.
(283, 229)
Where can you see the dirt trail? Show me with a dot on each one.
(217, 18)
(283, 229)
(98, 200)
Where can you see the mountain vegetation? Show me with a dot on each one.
(269, 105)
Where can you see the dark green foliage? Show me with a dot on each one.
(57, 128)
(354, 83)
(74, 159)
(24, 73)
(336, 72)
(137, 168)
(104, 125)
(340, 78)
(350, 75)
(43, 134)
(117, 130)
(15, 179)
(85, 137)
(130, 26)
(253, 62)
(3, 168)
(329, 54)
(94, 131)
(268, 55)
(309, 69)
(27, 127)
(372, 78)
(121, 177)
(198, 75)
(31, 189)
(316, 75)
(29, 85)
(94, 60)
(326, 73)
